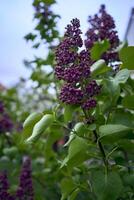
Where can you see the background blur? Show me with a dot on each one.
(16, 20)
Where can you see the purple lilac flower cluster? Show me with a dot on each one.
(102, 27)
(25, 190)
(6, 123)
(4, 186)
(1, 107)
(73, 67)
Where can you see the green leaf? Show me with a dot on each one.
(112, 132)
(129, 179)
(49, 2)
(107, 188)
(122, 117)
(99, 48)
(29, 123)
(30, 36)
(80, 129)
(68, 112)
(126, 145)
(10, 151)
(111, 88)
(67, 187)
(128, 102)
(36, 45)
(39, 128)
(74, 194)
(55, 135)
(77, 145)
(127, 57)
(122, 76)
(99, 67)
(71, 137)
(77, 152)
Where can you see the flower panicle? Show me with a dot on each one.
(102, 27)
(25, 189)
(73, 67)
(4, 187)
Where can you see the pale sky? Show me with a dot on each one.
(16, 21)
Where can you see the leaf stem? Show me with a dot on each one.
(101, 150)
(100, 147)
(127, 161)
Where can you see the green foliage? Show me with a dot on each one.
(29, 123)
(122, 76)
(111, 87)
(77, 152)
(99, 48)
(128, 102)
(30, 36)
(48, 2)
(40, 127)
(68, 113)
(127, 57)
(107, 187)
(99, 67)
(120, 117)
(68, 189)
(114, 132)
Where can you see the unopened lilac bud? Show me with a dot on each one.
(91, 103)
(92, 89)
(71, 95)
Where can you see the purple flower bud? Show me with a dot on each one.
(1, 107)
(5, 123)
(73, 32)
(74, 74)
(4, 186)
(25, 190)
(65, 53)
(59, 72)
(92, 89)
(67, 50)
(91, 103)
(71, 95)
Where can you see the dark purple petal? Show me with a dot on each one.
(91, 103)
(92, 89)
(71, 95)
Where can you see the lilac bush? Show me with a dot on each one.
(93, 118)
(82, 148)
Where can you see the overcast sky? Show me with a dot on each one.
(16, 21)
